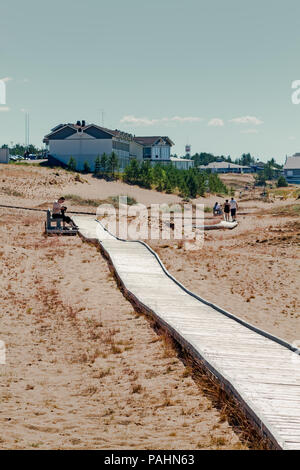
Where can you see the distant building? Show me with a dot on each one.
(182, 163)
(258, 166)
(226, 167)
(84, 142)
(4, 155)
(291, 169)
(155, 148)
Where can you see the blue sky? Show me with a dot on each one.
(214, 74)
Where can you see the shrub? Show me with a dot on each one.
(72, 164)
(282, 182)
(86, 167)
(97, 166)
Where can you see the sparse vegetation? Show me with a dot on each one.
(114, 200)
(282, 182)
(188, 183)
(72, 164)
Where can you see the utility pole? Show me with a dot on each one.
(102, 117)
(26, 130)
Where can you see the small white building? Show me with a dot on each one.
(4, 155)
(182, 163)
(291, 169)
(226, 167)
(155, 148)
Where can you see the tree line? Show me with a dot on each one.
(104, 165)
(246, 159)
(19, 149)
(189, 183)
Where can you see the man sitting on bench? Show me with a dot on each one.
(59, 210)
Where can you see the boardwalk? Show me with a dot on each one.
(261, 373)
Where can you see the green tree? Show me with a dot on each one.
(260, 179)
(268, 172)
(113, 163)
(132, 172)
(86, 167)
(159, 177)
(104, 163)
(72, 164)
(192, 184)
(282, 182)
(146, 174)
(97, 166)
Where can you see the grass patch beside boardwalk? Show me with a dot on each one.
(114, 200)
(11, 192)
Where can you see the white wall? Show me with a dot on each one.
(182, 164)
(136, 150)
(4, 155)
(162, 151)
(82, 148)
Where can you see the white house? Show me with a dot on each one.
(155, 148)
(84, 142)
(291, 169)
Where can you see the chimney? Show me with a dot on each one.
(83, 123)
(78, 123)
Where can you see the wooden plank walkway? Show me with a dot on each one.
(262, 372)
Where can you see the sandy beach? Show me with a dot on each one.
(84, 370)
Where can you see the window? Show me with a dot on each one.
(147, 152)
(120, 146)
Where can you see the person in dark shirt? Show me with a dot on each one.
(226, 210)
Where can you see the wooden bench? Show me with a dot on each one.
(56, 226)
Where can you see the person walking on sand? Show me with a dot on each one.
(233, 209)
(226, 210)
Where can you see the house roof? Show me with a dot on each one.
(221, 165)
(68, 129)
(292, 163)
(151, 140)
(178, 159)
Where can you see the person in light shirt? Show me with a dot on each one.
(233, 209)
(58, 211)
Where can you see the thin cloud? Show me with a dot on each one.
(144, 121)
(216, 122)
(247, 120)
(4, 108)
